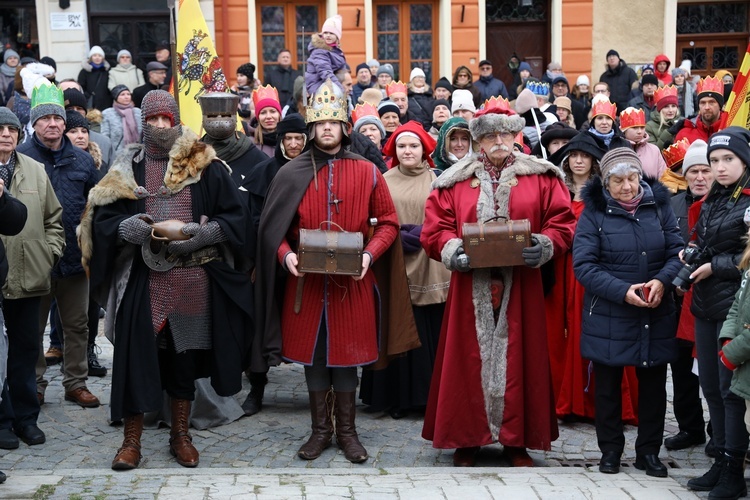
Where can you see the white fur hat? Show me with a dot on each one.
(462, 99)
(487, 123)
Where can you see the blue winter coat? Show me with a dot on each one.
(613, 250)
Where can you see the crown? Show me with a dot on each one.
(666, 91)
(262, 93)
(328, 103)
(46, 93)
(395, 87)
(632, 117)
(604, 108)
(496, 103)
(710, 84)
(675, 153)
(538, 88)
(362, 110)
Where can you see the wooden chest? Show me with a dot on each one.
(496, 243)
(330, 252)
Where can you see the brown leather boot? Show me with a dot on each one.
(346, 432)
(322, 427)
(129, 455)
(180, 442)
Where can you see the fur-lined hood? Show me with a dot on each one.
(522, 165)
(96, 153)
(317, 42)
(594, 196)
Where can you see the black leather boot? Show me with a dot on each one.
(254, 400)
(731, 483)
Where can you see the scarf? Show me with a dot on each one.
(7, 70)
(631, 205)
(129, 127)
(6, 170)
(96, 66)
(607, 138)
(231, 148)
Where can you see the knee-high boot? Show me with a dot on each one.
(322, 427)
(180, 442)
(346, 431)
(129, 455)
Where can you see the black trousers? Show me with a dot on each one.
(652, 407)
(180, 370)
(687, 401)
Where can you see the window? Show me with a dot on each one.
(406, 37)
(287, 26)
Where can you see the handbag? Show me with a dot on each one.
(495, 243)
(330, 252)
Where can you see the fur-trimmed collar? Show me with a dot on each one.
(317, 42)
(96, 153)
(593, 194)
(522, 165)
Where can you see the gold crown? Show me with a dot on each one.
(328, 103)
(365, 109)
(262, 93)
(395, 87)
(675, 153)
(632, 117)
(604, 108)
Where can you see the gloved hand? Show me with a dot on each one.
(135, 229)
(532, 255)
(460, 261)
(410, 238)
(202, 236)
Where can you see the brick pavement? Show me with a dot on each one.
(255, 457)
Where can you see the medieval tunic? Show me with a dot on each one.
(491, 380)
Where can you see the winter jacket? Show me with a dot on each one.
(618, 141)
(666, 77)
(322, 63)
(72, 177)
(13, 216)
(440, 154)
(620, 81)
(140, 92)
(658, 134)
(613, 250)
(94, 82)
(694, 128)
(476, 94)
(651, 159)
(720, 233)
(282, 79)
(489, 86)
(130, 76)
(365, 148)
(33, 252)
(639, 102)
(113, 129)
(421, 105)
(357, 90)
(681, 203)
(736, 329)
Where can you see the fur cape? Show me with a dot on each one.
(187, 159)
(96, 153)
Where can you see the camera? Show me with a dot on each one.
(693, 256)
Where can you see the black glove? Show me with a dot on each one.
(135, 229)
(410, 238)
(460, 261)
(532, 255)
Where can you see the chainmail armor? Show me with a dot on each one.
(134, 230)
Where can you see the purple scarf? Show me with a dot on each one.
(129, 127)
(631, 205)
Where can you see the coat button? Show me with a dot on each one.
(646, 327)
(643, 253)
(645, 364)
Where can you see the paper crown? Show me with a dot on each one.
(262, 93)
(328, 103)
(496, 103)
(538, 88)
(710, 84)
(666, 91)
(675, 153)
(362, 110)
(46, 93)
(604, 108)
(632, 117)
(395, 87)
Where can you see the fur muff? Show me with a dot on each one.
(494, 122)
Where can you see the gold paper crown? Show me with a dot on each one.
(666, 91)
(710, 84)
(675, 153)
(604, 108)
(395, 87)
(632, 117)
(362, 110)
(328, 103)
(262, 93)
(496, 103)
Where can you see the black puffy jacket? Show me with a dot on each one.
(720, 231)
(365, 148)
(12, 219)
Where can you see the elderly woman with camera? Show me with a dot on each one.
(625, 255)
(712, 266)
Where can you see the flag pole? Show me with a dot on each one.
(173, 52)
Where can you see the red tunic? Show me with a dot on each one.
(351, 310)
(456, 416)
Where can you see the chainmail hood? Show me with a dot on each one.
(158, 141)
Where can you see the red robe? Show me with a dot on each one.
(457, 411)
(351, 311)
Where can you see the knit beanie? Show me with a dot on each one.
(524, 66)
(735, 139)
(362, 66)
(333, 25)
(46, 99)
(649, 78)
(583, 80)
(96, 50)
(124, 52)
(74, 97)
(387, 106)
(697, 154)
(525, 101)
(415, 73)
(8, 54)
(444, 83)
(247, 69)
(73, 119)
(613, 52)
(386, 68)
(373, 62)
(117, 90)
(666, 101)
(616, 157)
(463, 99)
(293, 122)
(678, 71)
(441, 102)
(49, 62)
(370, 120)
(9, 118)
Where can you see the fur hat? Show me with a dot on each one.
(9, 118)
(415, 73)
(618, 156)
(493, 120)
(74, 97)
(333, 25)
(124, 52)
(373, 96)
(735, 139)
(462, 99)
(697, 154)
(525, 101)
(74, 119)
(96, 50)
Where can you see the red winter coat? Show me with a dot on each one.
(694, 128)
(519, 381)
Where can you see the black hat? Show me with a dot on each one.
(386, 105)
(649, 78)
(247, 69)
(735, 139)
(485, 62)
(117, 90)
(557, 130)
(613, 52)
(162, 45)
(74, 119)
(293, 122)
(155, 66)
(48, 61)
(445, 84)
(362, 66)
(560, 78)
(439, 102)
(584, 141)
(74, 97)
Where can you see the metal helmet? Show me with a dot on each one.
(219, 114)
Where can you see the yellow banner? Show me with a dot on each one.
(738, 104)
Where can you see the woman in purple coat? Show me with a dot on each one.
(326, 56)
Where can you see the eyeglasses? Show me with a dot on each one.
(600, 91)
(463, 75)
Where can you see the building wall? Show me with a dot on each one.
(577, 31)
(233, 39)
(67, 47)
(464, 36)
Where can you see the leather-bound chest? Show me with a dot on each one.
(496, 243)
(330, 252)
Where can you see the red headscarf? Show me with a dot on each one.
(428, 143)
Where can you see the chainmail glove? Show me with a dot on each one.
(135, 229)
(532, 255)
(204, 235)
(460, 261)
